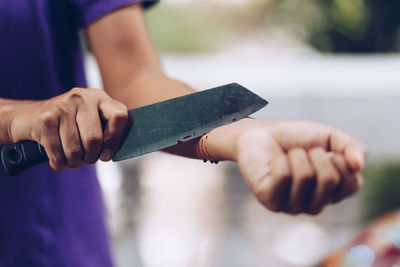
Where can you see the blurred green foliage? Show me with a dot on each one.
(179, 29)
(351, 26)
(201, 27)
(357, 26)
(381, 190)
(343, 20)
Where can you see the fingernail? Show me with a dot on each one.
(105, 155)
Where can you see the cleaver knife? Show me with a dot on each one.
(158, 125)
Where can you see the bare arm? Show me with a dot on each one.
(293, 167)
(130, 67)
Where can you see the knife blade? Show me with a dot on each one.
(158, 125)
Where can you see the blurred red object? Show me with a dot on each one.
(378, 245)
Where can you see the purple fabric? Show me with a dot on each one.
(48, 218)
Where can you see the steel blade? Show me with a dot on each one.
(181, 119)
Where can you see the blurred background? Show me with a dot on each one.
(332, 61)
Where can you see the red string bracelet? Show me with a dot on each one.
(202, 150)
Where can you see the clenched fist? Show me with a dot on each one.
(292, 166)
(300, 166)
(70, 128)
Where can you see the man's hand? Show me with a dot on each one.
(293, 166)
(69, 126)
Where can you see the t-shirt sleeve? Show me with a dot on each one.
(91, 10)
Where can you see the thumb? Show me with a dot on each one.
(354, 152)
(355, 155)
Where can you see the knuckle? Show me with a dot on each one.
(77, 90)
(47, 119)
(94, 140)
(91, 161)
(55, 167)
(291, 208)
(331, 181)
(261, 195)
(272, 206)
(76, 93)
(313, 211)
(58, 160)
(59, 168)
(110, 142)
(295, 211)
(75, 162)
(121, 113)
(266, 201)
(74, 153)
(75, 165)
(62, 108)
(91, 158)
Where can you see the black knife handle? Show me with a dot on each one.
(20, 156)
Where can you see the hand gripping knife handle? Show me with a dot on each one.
(21, 156)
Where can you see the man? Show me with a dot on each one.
(57, 218)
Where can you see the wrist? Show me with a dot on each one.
(8, 112)
(221, 143)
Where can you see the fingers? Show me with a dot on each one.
(306, 134)
(90, 131)
(89, 118)
(306, 181)
(354, 151)
(70, 140)
(351, 182)
(69, 127)
(355, 155)
(50, 140)
(303, 180)
(273, 190)
(313, 166)
(328, 179)
(116, 116)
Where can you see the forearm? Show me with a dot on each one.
(131, 70)
(151, 88)
(148, 88)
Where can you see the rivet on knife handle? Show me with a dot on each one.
(20, 156)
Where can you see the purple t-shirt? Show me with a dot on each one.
(49, 218)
